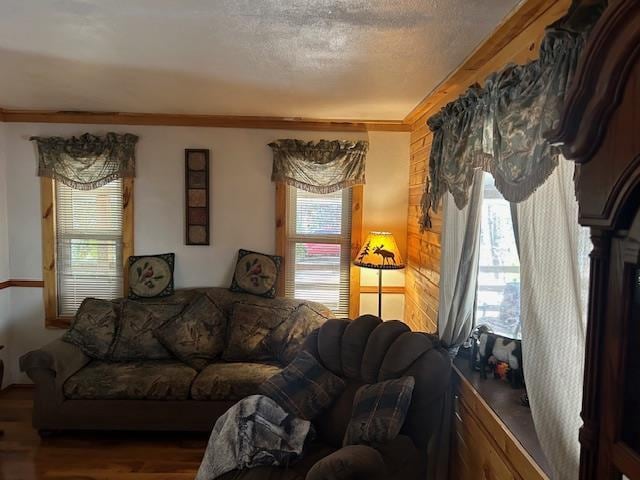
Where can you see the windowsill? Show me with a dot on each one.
(505, 402)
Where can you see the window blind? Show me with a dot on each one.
(318, 257)
(88, 244)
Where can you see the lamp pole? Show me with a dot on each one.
(379, 293)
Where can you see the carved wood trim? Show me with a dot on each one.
(626, 184)
(599, 82)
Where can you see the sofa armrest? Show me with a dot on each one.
(353, 462)
(59, 358)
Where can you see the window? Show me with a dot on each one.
(498, 294)
(86, 239)
(318, 248)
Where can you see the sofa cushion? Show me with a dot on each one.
(94, 328)
(304, 388)
(196, 336)
(231, 381)
(379, 411)
(153, 380)
(248, 332)
(256, 273)
(138, 320)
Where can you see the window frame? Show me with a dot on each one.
(49, 247)
(282, 200)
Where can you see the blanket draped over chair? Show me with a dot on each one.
(252, 433)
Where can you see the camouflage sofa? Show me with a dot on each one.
(154, 390)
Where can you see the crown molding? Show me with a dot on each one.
(187, 120)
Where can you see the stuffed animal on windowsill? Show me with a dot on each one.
(491, 350)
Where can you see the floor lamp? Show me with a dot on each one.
(379, 251)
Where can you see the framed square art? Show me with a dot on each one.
(196, 176)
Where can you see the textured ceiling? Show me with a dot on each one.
(326, 58)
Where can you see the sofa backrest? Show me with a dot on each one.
(368, 350)
(301, 316)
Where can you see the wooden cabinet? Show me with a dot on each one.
(600, 131)
(482, 446)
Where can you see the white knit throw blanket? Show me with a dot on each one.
(254, 432)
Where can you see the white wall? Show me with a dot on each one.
(386, 208)
(4, 257)
(242, 198)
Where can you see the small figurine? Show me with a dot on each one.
(491, 349)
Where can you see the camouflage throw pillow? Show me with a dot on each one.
(94, 328)
(249, 330)
(286, 341)
(196, 336)
(138, 320)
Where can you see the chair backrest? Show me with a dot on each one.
(367, 350)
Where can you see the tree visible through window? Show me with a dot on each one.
(498, 294)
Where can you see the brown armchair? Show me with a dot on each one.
(362, 351)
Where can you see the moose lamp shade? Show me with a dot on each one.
(379, 251)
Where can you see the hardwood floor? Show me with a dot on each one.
(90, 456)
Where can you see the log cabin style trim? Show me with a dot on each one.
(188, 120)
(49, 282)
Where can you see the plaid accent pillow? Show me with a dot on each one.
(304, 388)
(379, 411)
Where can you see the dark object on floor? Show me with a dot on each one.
(524, 400)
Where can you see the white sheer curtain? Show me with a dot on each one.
(459, 266)
(554, 277)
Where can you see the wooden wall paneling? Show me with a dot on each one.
(357, 196)
(516, 40)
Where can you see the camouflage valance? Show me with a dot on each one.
(319, 167)
(500, 127)
(88, 161)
